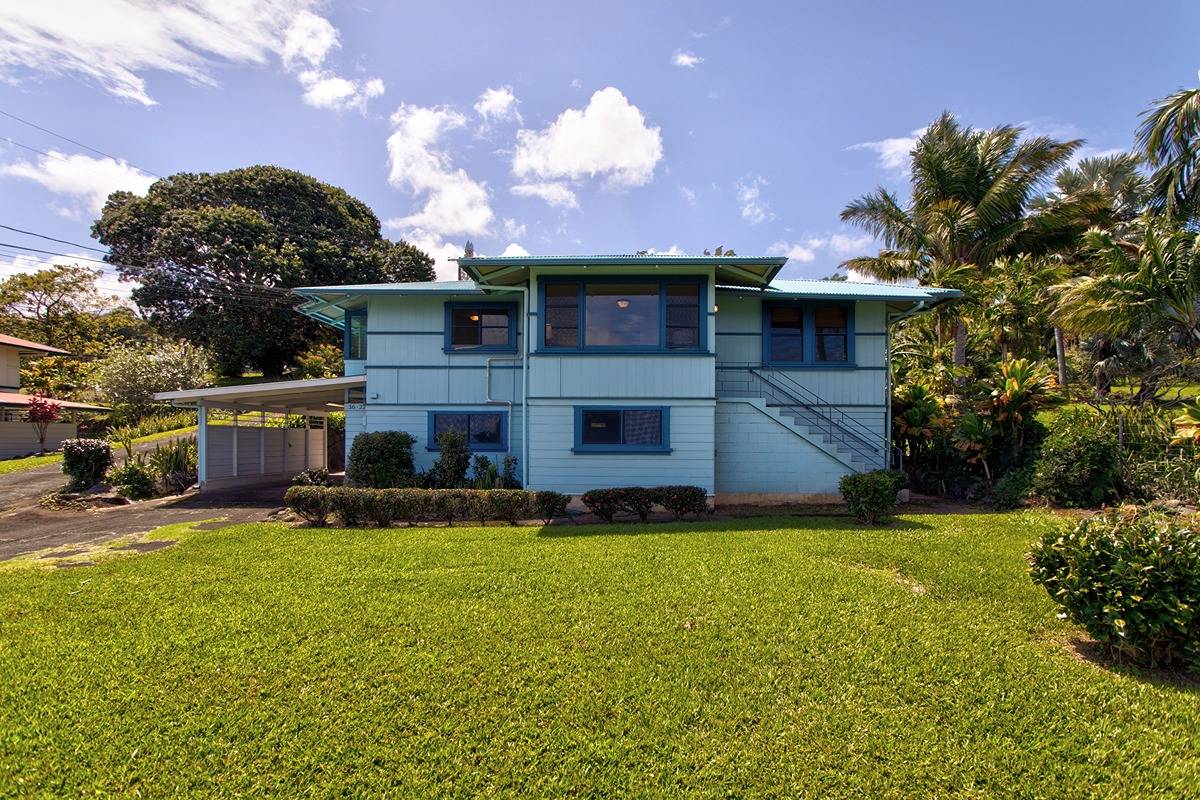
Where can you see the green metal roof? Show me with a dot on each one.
(849, 290)
(742, 270)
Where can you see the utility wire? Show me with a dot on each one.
(52, 239)
(72, 141)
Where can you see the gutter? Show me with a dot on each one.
(524, 358)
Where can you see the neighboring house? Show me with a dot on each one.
(640, 370)
(17, 437)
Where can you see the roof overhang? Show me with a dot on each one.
(315, 395)
(329, 304)
(733, 270)
(898, 297)
(19, 400)
(28, 348)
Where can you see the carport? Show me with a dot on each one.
(263, 433)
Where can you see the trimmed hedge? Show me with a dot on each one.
(871, 496)
(1131, 577)
(548, 505)
(640, 501)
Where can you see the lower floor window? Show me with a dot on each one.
(485, 430)
(633, 429)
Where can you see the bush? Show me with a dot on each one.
(1012, 489)
(548, 505)
(175, 463)
(681, 500)
(475, 505)
(635, 500)
(311, 502)
(450, 469)
(508, 475)
(129, 375)
(382, 460)
(604, 503)
(86, 461)
(447, 504)
(1079, 463)
(870, 496)
(312, 477)
(484, 474)
(348, 504)
(134, 480)
(412, 505)
(1131, 577)
(509, 505)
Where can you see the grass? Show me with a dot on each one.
(782, 656)
(33, 462)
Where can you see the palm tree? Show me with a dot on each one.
(970, 205)
(1169, 137)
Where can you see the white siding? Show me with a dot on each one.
(756, 455)
(18, 438)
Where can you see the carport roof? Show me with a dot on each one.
(317, 394)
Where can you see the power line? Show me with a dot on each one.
(72, 141)
(52, 239)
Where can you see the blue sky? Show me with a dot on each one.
(558, 128)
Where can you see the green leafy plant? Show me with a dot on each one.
(680, 501)
(133, 479)
(313, 503)
(86, 461)
(1079, 464)
(381, 460)
(549, 505)
(870, 496)
(508, 474)
(635, 500)
(604, 503)
(450, 469)
(175, 463)
(312, 477)
(483, 472)
(1131, 577)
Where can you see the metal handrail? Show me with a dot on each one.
(853, 426)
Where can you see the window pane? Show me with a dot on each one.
(357, 344)
(787, 347)
(681, 338)
(464, 336)
(495, 319)
(832, 333)
(495, 336)
(449, 422)
(485, 429)
(831, 347)
(601, 427)
(621, 315)
(830, 318)
(787, 317)
(683, 294)
(562, 315)
(642, 427)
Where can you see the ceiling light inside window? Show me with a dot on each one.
(622, 303)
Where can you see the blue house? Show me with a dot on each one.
(600, 371)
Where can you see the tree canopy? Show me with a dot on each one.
(215, 255)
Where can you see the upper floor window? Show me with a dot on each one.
(355, 344)
(481, 327)
(623, 315)
(804, 333)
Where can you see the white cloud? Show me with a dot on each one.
(576, 83)
(804, 253)
(608, 138)
(108, 283)
(116, 43)
(437, 247)
(89, 180)
(723, 23)
(837, 245)
(688, 194)
(843, 245)
(326, 90)
(755, 210)
(455, 203)
(514, 250)
(892, 154)
(683, 58)
(673, 250)
(498, 105)
(513, 229)
(557, 195)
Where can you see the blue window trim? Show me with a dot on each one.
(358, 312)
(661, 348)
(502, 447)
(810, 339)
(623, 449)
(513, 322)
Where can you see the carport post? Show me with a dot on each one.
(235, 442)
(201, 444)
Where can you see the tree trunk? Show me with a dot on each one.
(1060, 352)
(960, 343)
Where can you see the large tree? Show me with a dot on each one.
(215, 256)
(970, 206)
(1169, 137)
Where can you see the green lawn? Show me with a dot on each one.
(784, 656)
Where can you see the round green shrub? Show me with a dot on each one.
(133, 480)
(86, 461)
(381, 460)
(1079, 464)
(870, 496)
(1131, 577)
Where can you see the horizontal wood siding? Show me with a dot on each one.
(755, 455)
(416, 422)
(274, 452)
(555, 466)
(19, 439)
(629, 376)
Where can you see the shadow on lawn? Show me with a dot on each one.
(739, 525)
(1109, 660)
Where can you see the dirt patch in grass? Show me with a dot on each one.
(146, 547)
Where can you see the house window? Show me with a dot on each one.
(622, 430)
(631, 315)
(806, 333)
(488, 327)
(356, 396)
(355, 344)
(485, 430)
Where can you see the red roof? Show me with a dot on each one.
(18, 399)
(25, 344)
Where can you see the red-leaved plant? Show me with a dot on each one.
(40, 412)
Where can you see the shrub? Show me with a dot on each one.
(134, 480)
(1131, 577)
(634, 500)
(348, 504)
(1012, 489)
(381, 460)
(1079, 463)
(312, 477)
(870, 496)
(311, 502)
(483, 472)
(508, 475)
(475, 505)
(603, 503)
(86, 461)
(450, 469)
(447, 504)
(548, 505)
(681, 500)
(509, 505)
(175, 463)
(412, 505)
(129, 375)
